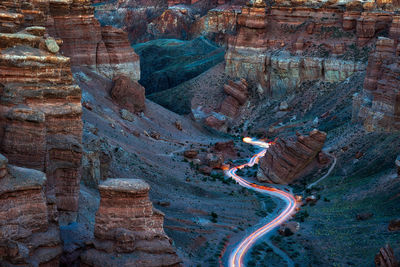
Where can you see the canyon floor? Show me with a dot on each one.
(206, 214)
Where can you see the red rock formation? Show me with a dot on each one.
(386, 258)
(128, 230)
(128, 94)
(276, 48)
(29, 235)
(39, 103)
(237, 96)
(285, 160)
(105, 49)
(378, 105)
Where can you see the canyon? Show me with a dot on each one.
(121, 122)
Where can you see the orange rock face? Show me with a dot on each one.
(127, 225)
(285, 160)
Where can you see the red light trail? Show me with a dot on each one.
(236, 257)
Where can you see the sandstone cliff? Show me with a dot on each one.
(40, 107)
(378, 106)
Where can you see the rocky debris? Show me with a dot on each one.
(311, 199)
(206, 170)
(364, 216)
(289, 228)
(128, 230)
(386, 258)
(155, 135)
(127, 115)
(283, 106)
(178, 125)
(28, 230)
(128, 94)
(190, 154)
(215, 123)
(41, 109)
(237, 96)
(214, 161)
(227, 149)
(284, 161)
(323, 158)
(394, 225)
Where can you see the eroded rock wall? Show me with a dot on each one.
(40, 103)
(378, 106)
(279, 47)
(29, 234)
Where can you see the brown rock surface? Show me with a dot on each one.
(394, 225)
(128, 94)
(378, 105)
(127, 225)
(386, 258)
(39, 103)
(29, 235)
(285, 160)
(277, 50)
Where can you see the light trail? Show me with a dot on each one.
(236, 257)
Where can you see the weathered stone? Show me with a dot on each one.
(287, 158)
(128, 94)
(127, 224)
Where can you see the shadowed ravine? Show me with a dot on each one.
(236, 257)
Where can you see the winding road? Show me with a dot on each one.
(237, 255)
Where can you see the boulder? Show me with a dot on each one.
(386, 258)
(287, 158)
(128, 94)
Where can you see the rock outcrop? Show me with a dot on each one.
(29, 234)
(40, 109)
(285, 160)
(279, 63)
(386, 258)
(128, 94)
(378, 106)
(105, 49)
(128, 230)
(238, 95)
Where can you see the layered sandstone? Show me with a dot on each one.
(29, 234)
(279, 47)
(105, 49)
(237, 95)
(285, 160)
(40, 110)
(128, 230)
(378, 105)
